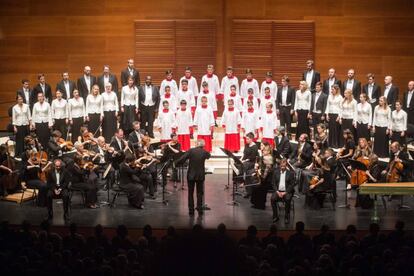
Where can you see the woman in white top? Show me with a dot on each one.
(129, 106)
(348, 114)
(60, 116)
(76, 110)
(42, 119)
(110, 110)
(302, 106)
(94, 110)
(333, 109)
(21, 120)
(398, 124)
(364, 117)
(381, 127)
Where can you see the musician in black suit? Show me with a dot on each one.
(318, 106)
(120, 145)
(250, 153)
(42, 87)
(283, 185)
(131, 183)
(282, 143)
(195, 175)
(408, 104)
(130, 71)
(285, 102)
(372, 90)
(149, 100)
(390, 92)
(398, 155)
(135, 136)
(26, 93)
(301, 157)
(353, 84)
(66, 86)
(107, 76)
(310, 75)
(327, 84)
(58, 183)
(86, 82)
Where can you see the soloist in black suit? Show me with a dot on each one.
(62, 88)
(283, 146)
(289, 189)
(38, 89)
(148, 112)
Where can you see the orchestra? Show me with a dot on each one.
(88, 134)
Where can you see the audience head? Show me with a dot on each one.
(300, 227)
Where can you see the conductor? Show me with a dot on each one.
(195, 175)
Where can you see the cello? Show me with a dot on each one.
(362, 154)
(394, 173)
(10, 180)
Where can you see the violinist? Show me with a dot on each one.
(131, 182)
(398, 165)
(250, 153)
(321, 135)
(134, 138)
(264, 173)
(282, 142)
(145, 163)
(312, 169)
(169, 152)
(57, 145)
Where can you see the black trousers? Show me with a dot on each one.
(147, 119)
(64, 195)
(135, 193)
(147, 181)
(199, 185)
(302, 126)
(285, 117)
(41, 187)
(90, 187)
(316, 120)
(60, 124)
(287, 198)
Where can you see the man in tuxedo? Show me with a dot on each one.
(310, 75)
(318, 106)
(42, 87)
(284, 187)
(108, 77)
(353, 84)
(86, 82)
(327, 84)
(390, 92)
(408, 104)
(149, 100)
(373, 91)
(58, 183)
(301, 157)
(282, 143)
(195, 175)
(135, 137)
(66, 86)
(284, 103)
(130, 71)
(26, 93)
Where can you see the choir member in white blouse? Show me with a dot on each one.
(170, 82)
(227, 81)
(192, 82)
(398, 124)
(94, 110)
(129, 106)
(110, 110)
(42, 119)
(333, 109)
(269, 82)
(302, 107)
(249, 82)
(213, 82)
(381, 127)
(364, 118)
(60, 114)
(77, 114)
(348, 114)
(21, 120)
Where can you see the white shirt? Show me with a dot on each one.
(303, 100)
(59, 109)
(119, 142)
(284, 95)
(148, 96)
(246, 84)
(333, 105)
(131, 71)
(88, 82)
(387, 90)
(192, 85)
(21, 115)
(409, 96)
(204, 120)
(76, 108)
(273, 89)
(67, 88)
(309, 76)
(184, 121)
(317, 95)
(237, 101)
(26, 95)
(110, 101)
(94, 104)
(349, 110)
(330, 83)
(43, 86)
(364, 113)
(226, 82)
(370, 89)
(102, 157)
(42, 113)
(129, 96)
(57, 178)
(106, 80)
(399, 120)
(350, 84)
(231, 120)
(213, 84)
(282, 181)
(172, 84)
(382, 117)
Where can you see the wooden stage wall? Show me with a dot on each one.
(51, 36)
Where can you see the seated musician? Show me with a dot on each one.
(346, 152)
(319, 183)
(4, 169)
(131, 183)
(398, 166)
(149, 153)
(264, 175)
(57, 185)
(312, 169)
(86, 138)
(250, 153)
(284, 187)
(302, 156)
(169, 151)
(84, 178)
(135, 137)
(373, 176)
(321, 136)
(146, 164)
(362, 154)
(282, 143)
(57, 148)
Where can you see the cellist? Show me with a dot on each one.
(362, 154)
(396, 168)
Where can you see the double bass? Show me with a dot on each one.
(10, 181)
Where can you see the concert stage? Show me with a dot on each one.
(160, 216)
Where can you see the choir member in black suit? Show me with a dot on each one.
(149, 100)
(282, 143)
(86, 82)
(284, 188)
(327, 84)
(131, 183)
(195, 175)
(26, 93)
(372, 90)
(318, 106)
(285, 102)
(352, 83)
(106, 77)
(311, 76)
(390, 92)
(130, 71)
(58, 187)
(250, 153)
(408, 103)
(66, 86)
(43, 87)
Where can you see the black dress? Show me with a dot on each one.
(85, 181)
(130, 182)
(259, 192)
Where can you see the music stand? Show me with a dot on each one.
(181, 167)
(356, 165)
(231, 156)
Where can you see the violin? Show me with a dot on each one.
(68, 144)
(313, 182)
(88, 138)
(40, 159)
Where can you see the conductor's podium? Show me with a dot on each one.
(401, 188)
